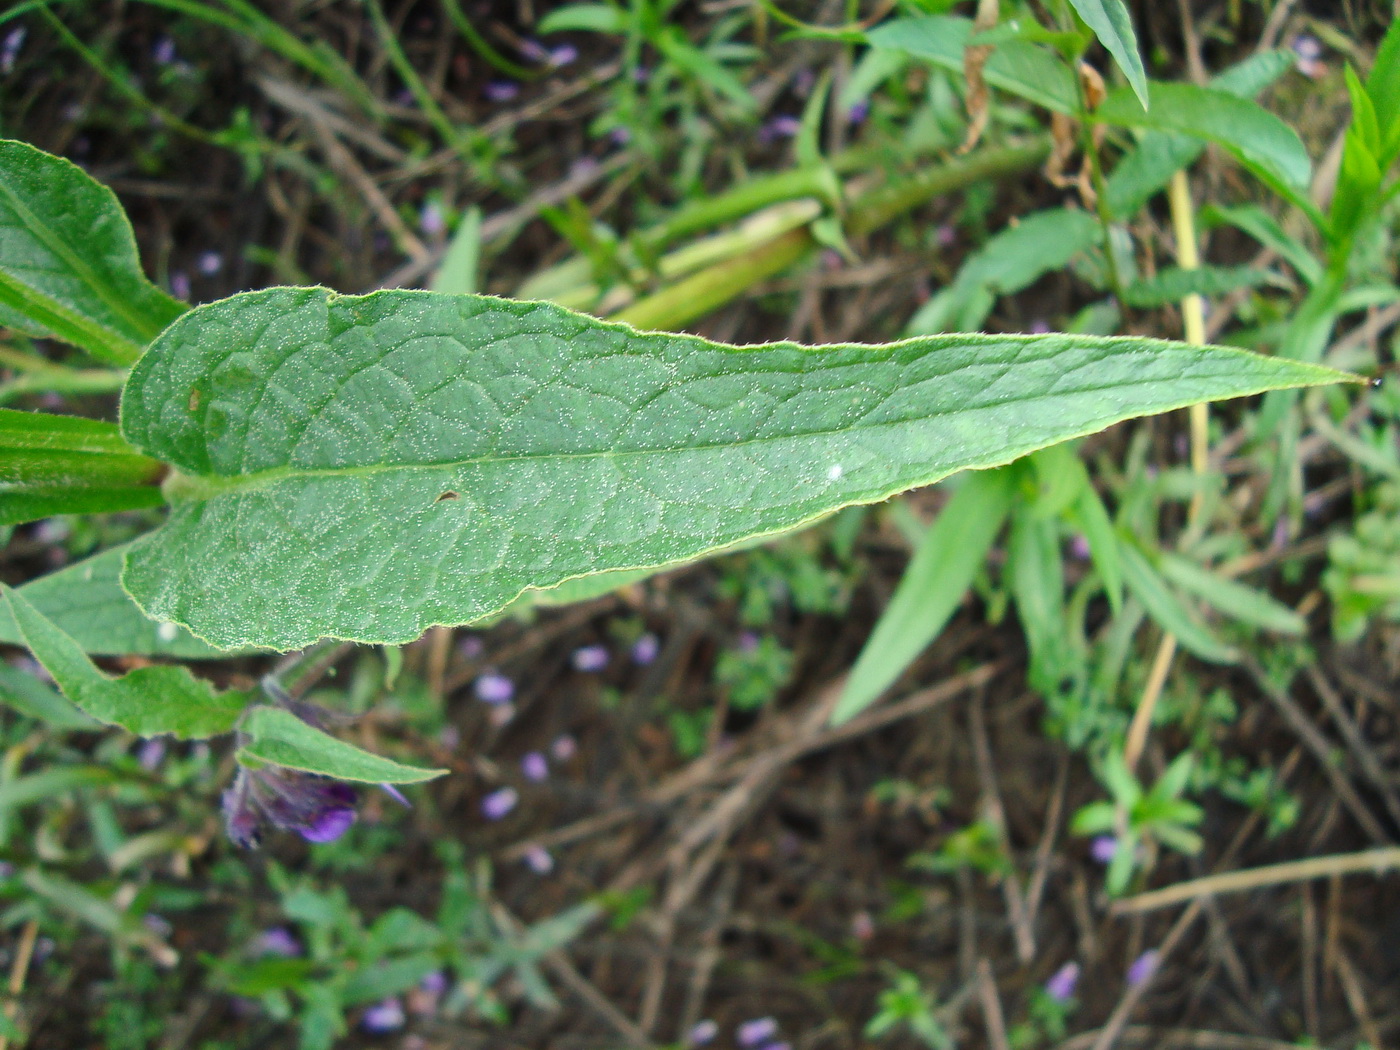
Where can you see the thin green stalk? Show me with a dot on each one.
(482, 46)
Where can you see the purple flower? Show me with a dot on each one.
(759, 1030)
(382, 1017)
(277, 941)
(620, 136)
(151, 753)
(431, 220)
(9, 50)
(564, 747)
(1103, 847)
(315, 807)
(180, 284)
(645, 649)
(471, 646)
(163, 53)
(534, 766)
(500, 802)
(702, 1033)
(502, 90)
(424, 999)
(1039, 326)
(780, 127)
(1060, 986)
(562, 55)
(1143, 967)
(539, 860)
(493, 688)
(858, 111)
(590, 658)
(209, 263)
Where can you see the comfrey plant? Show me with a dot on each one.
(367, 467)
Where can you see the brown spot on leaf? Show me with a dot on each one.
(194, 399)
(449, 494)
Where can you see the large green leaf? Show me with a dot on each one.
(68, 262)
(148, 701)
(365, 467)
(275, 735)
(85, 601)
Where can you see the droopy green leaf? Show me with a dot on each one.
(367, 466)
(1264, 143)
(85, 601)
(68, 262)
(932, 587)
(1111, 23)
(1166, 608)
(278, 737)
(1243, 603)
(148, 701)
(31, 697)
(1034, 73)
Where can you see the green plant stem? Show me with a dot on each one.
(710, 288)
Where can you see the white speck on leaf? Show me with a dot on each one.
(835, 472)
(166, 632)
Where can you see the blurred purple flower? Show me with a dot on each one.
(500, 802)
(9, 49)
(564, 747)
(946, 235)
(316, 808)
(702, 1033)
(1039, 326)
(180, 284)
(1143, 967)
(163, 53)
(783, 126)
(471, 646)
(209, 263)
(1079, 547)
(759, 1030)
(150, 753)
(620, 136)
(277, 941)
(858, 112)
(424, 999)
(534, 50)
(494, 688)
(502, 90)
(539, 860)
(157, 924)
(562, 55)
(535, 766)
(430, 219)
(645, 649)
(1102, 848)
(1060, 986)
(590, 658)
(385, 1016)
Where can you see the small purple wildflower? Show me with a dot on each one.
(539, 860)
(9, 49)
(641, 75)
(1143, 967)
(747, 642)
(946, 235)
(494, 688)
(163, 53)
(562, 55)
(180, 284)
(431, 220)
(52, 530)
(316, 808)
(1309, 52)
(534, 51)
(500, 802)
(383, 1017)
(535, 766)
(702, 1033)
(759, 1030)
(776, 1046)
(620, 136)
(1060, 986)
(583, 168)
(1103, 847)
(434, 983)
(424, 999)
(1039, 326)
(783, 126)
(590, 658)
(502, 90)
(858, 112)
(397, 795)
(209, 263)
(1079, 547)
(151, 753)
(564, 747)
(277, 941)
(450, 737)
(157, 924)
(645, 649)
(470, 647)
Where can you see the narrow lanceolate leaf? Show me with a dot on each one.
(85, 601)
(148, 701)
(1111, 23)
(365, 467)
(68, 262)
(280, 738)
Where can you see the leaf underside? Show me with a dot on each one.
(365, 467)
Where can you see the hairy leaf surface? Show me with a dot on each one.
(365, 467)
